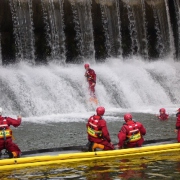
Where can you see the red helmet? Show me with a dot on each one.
(86, 66)
(178, 110)
(162, 110)
(100, 111)
(127, 117)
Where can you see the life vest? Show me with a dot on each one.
(93, 128)
(134, 133)
(5, 131)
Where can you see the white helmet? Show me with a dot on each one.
(1, 110)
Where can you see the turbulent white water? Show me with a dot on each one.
(56, 91)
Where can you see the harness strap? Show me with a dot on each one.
(4, 133)
(129, 138)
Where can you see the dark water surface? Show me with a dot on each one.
(31, 136)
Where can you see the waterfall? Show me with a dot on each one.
(53, 89)
(53, 19)
(23, 29)
(137, 27)
(145, 37)
(76, 31)
(112, 27)
(177, 7)
(160, 46)
(163, 27)
(171, 37)
(84, 31)
(69, 31)
(135, 46)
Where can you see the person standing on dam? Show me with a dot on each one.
(6, 137)
(131, 133)
(91, 79)
(98, 134)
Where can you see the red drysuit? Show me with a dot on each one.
(163, 117)
(6, 135)
(98, 132)
(178, 126)
(91, 78)
(131, 135)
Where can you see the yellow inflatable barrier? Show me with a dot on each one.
(24, 162)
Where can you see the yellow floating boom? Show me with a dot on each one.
(24, 162)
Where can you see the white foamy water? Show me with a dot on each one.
(59, 93)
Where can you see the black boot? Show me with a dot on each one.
(10, 154)
(87, 147)
(90, 145)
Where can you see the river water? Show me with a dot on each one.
(31, 136)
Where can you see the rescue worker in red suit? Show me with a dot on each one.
(131, 133)
(163, 115)
(98, 134)
(177, 129)
(91, 79)
(6, 135)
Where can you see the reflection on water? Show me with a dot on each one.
(166, 166)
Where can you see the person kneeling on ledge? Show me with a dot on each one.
(131, 133)
(6, 135)
(98, 134)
